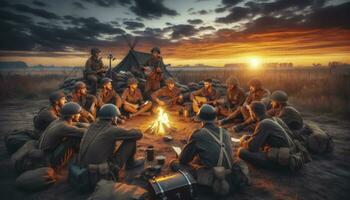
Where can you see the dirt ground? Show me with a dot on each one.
(326, 177)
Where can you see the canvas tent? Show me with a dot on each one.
(134, 61)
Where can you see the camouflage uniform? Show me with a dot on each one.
(103, 147)
(105, 96)
(154, 79)
(45, 117)
(135, 98)
(94, 72)
(234, 98)
(60, 141)
(204, 96)
(88, 104)
(171, 98)
(267, 134)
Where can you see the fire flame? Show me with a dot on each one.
(161, 123)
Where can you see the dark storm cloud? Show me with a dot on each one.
(183, 30)
(130, 25)
(236, 14)
(231, 2)
(206, 28)
(78, 5)
(34, 11)
(39, 3)
(151, 9)
(200, 12)
(108, 3)
(195, 21)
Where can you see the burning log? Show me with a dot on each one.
(161, 126)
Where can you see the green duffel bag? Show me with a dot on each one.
(318, 141)
(78, 178)
(37, 179)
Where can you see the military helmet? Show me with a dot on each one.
(258, 108)
(70, 109)
(170, 81)
(108, 111)
(55, 96)
(232, 81)
(157, 49)
(104, 81)
(207, 113)
(132, 81)
(79, 85)
(95, 51)
(255, 83)
(279, 96)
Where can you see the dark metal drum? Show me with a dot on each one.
(178, 186)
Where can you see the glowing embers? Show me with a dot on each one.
(161, 126)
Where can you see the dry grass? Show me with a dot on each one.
(313, 90)
(28, 86)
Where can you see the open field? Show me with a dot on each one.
(326, 177)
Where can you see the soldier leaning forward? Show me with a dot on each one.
(132, 98)
(168, 97)
(94, 69)
(205, 95)
(86, 101)
(235, 97)
(271, 145)
(154, 73)
(208, 156)
(98, 146)
(51, 113)
(241, 114)
(61, 138)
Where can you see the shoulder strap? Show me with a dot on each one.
(223, 151)
(290, 140)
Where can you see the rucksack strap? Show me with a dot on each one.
(223, 152)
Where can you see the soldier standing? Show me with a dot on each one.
(206, 95)
(168, 96)
(154, 74)
(132, 98)
(86, 101)
(94, 69)
(50, 113)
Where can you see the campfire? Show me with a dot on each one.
(160, 126)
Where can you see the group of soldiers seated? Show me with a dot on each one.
(87, 125)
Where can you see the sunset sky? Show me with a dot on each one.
(212, 32)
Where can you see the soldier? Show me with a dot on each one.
(133, 102)
(270, 145)
(61, 138)
(281, 109)
(205, 95)
(168, 96)
(86, 101)
(50, 113)
(154, 73)
(208, 149)
(107, 94)
(94, 69)
(256, 93)
(98, 145)
(234, 97)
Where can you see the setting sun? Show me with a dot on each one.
(254, 63)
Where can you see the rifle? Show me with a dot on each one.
(111, 58)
